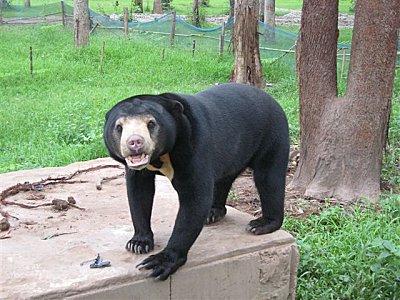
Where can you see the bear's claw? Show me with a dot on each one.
(162, 264)
(140, 245)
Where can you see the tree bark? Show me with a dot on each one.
(157, 8)
(269, 18)
(196, 13)
(231, 8)
(342, 138)
(248, 68)
(81, 23)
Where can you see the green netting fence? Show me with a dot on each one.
(275, 43)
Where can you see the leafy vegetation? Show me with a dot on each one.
(349, 254)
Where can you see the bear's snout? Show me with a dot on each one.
(135, 143)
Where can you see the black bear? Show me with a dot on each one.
(201, 142)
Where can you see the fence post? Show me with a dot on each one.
(343, 61)
(126, 20)
(222, 40)
(31, 60)
(173, 24)
(63, 13)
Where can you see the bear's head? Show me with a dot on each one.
(140, 129)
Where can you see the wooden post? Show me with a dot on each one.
(173, 24)
(343, 61)
(63, 13)
(193, 47)
(222, 40)
(103, 49)
(31, 60)
(126, 20)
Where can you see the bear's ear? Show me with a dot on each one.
(171, 102)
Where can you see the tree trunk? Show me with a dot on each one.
(231, 8)
(196, 13)
(27, 3)
(248, 68)
(81, 23)
(157, 8)
(342, 137)
(269, 18)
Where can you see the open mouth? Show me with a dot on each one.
(137, 161)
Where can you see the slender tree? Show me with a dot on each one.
(81, 23)
(157, 8)
(269, 18)
(342, 138)
(248, 68)
(196, 13)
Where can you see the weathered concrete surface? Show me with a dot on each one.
(224, 263)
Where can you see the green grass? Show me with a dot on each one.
(56, 117)
(349, 254)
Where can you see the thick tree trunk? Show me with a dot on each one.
(157, 8)
(342, 138)
(248, 68)
(81, 23)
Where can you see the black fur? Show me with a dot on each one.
(211, 138)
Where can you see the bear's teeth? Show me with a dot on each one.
(137, 160)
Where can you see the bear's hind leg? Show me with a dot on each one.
(221, 191)
(270, 183)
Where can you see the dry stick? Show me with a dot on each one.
(162, 54)
(31, 60)
(126, 16)
(102, 56)
(63, 13)
(24, 187)
(94, 28)
(173, 24)
(104, 179)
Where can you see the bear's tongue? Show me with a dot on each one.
(137, 160)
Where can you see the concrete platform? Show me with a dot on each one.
(224, 263)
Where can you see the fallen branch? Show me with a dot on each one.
(27, 186)
(105, 179)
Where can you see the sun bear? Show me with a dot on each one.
(201, 142)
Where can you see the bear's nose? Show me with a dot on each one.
(135, 143)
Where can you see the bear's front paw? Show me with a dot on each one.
(162, 264)
(262, 226)
(140, 244)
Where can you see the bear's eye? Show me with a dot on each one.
(151, 124)
(118, 128)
